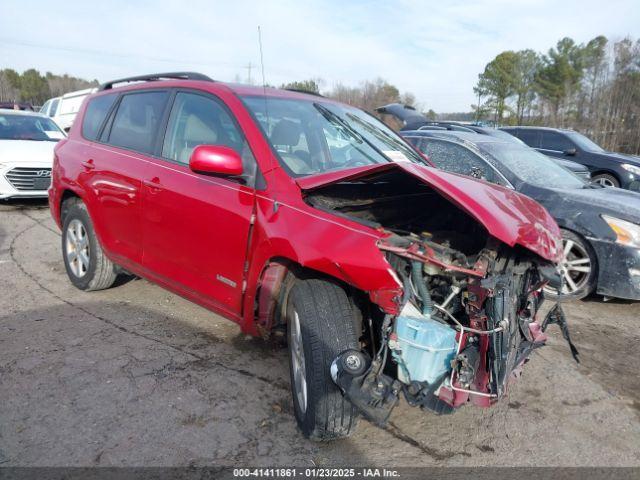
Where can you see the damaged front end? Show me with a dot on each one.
(467, 313)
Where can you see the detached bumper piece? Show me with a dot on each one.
(556, 315)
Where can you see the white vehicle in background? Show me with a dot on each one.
(69, 106)
(50, 107)
(26, 153)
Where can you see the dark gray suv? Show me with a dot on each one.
(607, 168)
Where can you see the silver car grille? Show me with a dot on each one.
(29, 178)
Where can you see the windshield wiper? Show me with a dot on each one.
(335, 119)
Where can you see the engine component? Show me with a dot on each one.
(423, 395)
(373, 393)
(466, 363)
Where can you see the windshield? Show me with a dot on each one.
(585, 143)
(530, 166)
(27, 127)
(315, 137)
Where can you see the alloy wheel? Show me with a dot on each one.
(575, 268)
(77, 248)
(298, 363)
(604, 181)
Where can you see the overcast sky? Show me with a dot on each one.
(434, 49)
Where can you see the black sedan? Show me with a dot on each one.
(600, 225)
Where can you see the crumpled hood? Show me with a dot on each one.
(507, 215)
(18, 151)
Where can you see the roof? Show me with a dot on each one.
(78, 93)
(533, 127)
(11, 111)
(454, 136)
(194, 79)
(259, 91)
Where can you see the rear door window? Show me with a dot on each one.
(136, 122)
(94, 116)
(530, 137)
(451, 157)
(555, 141)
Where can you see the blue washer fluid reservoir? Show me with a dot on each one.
(427, 346)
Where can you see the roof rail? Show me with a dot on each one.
(301, 90)
(156, 76)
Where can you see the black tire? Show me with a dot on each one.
(100, 273)
(606, 179)
(328, 326)
(588, 283)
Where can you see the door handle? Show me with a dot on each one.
(153, 184)
(89, 164)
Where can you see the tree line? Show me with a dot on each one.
(368, 95)
(33, 87)
(593, 87)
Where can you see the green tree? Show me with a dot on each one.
(33, 87)
(560, 75)
(310, 85)
(9, 85)
(498, 82)
(431, 115)
(526, 68)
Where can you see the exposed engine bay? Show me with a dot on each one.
(467, 321)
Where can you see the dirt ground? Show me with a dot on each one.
(135, 375)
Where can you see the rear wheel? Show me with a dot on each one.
(321, 324)
(606, 180)
(87, 266)
(578, 268)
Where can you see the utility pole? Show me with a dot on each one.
(249, 67)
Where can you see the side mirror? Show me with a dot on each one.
(215, 160)
(570, 152)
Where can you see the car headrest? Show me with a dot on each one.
(197, 131)
(286, 133)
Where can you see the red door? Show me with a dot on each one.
(114, 168)
(112, 180)
(196, 227)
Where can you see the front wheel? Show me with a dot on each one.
(606, 180)
(87, 266)
(578, 268)
(321, 324)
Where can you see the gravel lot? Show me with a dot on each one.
(135, 375)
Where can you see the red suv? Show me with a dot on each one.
(290, 212)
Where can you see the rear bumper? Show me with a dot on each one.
(618, 270)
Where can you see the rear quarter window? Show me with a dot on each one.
(95, 114)
(530, 137)
(136, 122)
(555, 141)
